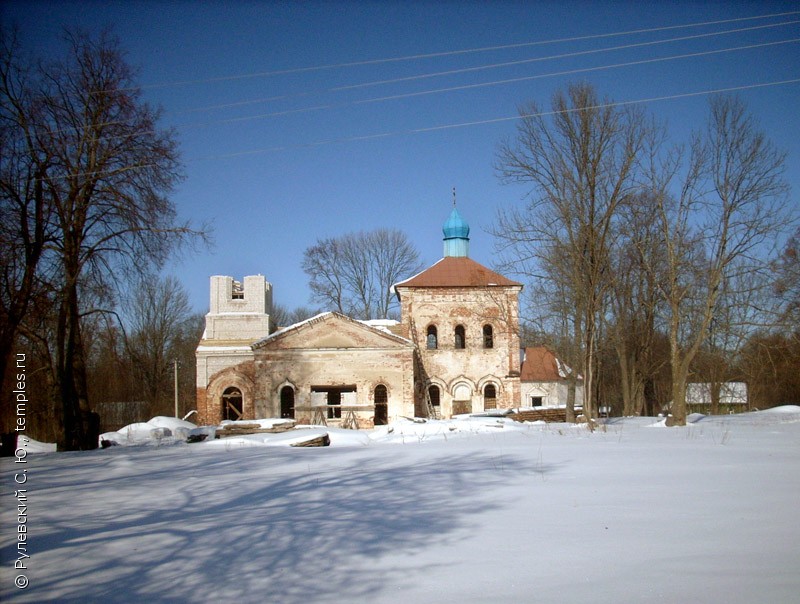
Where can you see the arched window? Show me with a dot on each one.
(433, 338)
(232, 408)
(381, 405)
(490, 397)
(488, 337)
(460, 337)
(287, 402)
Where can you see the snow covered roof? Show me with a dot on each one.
(730, 393)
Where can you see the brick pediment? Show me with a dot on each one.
(331, 331)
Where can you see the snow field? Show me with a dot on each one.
(465, 510)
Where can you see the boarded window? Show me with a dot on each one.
(460, 342)
(432, 338)
(462, 399)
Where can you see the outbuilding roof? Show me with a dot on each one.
(539, 364)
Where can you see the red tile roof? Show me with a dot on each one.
(539, 365)
(457, 271)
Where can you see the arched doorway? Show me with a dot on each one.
(462, 399)
(232, 404)
(490, 397)
(381, 405)
(435, 398)
(287, 402)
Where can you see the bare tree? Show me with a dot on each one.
(105, 171)
(717, 232)
(25, 228)
(355, 272)
(635, 303)
(787, 270)
(284, 317)
(156, 317)
(580, 159)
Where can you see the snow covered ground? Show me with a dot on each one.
(468, 510)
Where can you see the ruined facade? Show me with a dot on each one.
(455, 350)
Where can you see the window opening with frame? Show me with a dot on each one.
(460, 337)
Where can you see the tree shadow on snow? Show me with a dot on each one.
(262, 525)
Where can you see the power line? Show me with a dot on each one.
(456, 52)
(562, 56)
(341, 105)
(484, 67)
(441, 127)
(328, 106)
(422, 130)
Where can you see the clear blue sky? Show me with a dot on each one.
(277, 104)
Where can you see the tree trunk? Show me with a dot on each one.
(81, 427)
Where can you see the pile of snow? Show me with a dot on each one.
(31, 445)
(169, 430)
(157, 430)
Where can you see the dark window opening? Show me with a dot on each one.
(433, 338)
(537, 401)
(287, 402)
(490, 397)
(460, 342)
(232, 405)
(381, 406)
(488, 339)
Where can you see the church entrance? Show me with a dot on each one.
(381, 406)
(287, 402)
(232, 408)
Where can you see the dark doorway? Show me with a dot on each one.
(287, 402)
(381, 406)
(490, 397)
(232, 406)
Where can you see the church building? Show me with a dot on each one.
(455, 350)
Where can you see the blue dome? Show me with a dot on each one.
(455, 227)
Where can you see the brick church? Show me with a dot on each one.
(455, 350)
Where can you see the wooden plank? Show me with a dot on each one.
(322, 440)
(243, 429)
(557, 414)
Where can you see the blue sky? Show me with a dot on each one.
(288, 136)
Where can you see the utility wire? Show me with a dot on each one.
(331, 106)
(422, 130)
(479, 85)
(414, 57)
(411, 131)
(480, 68)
